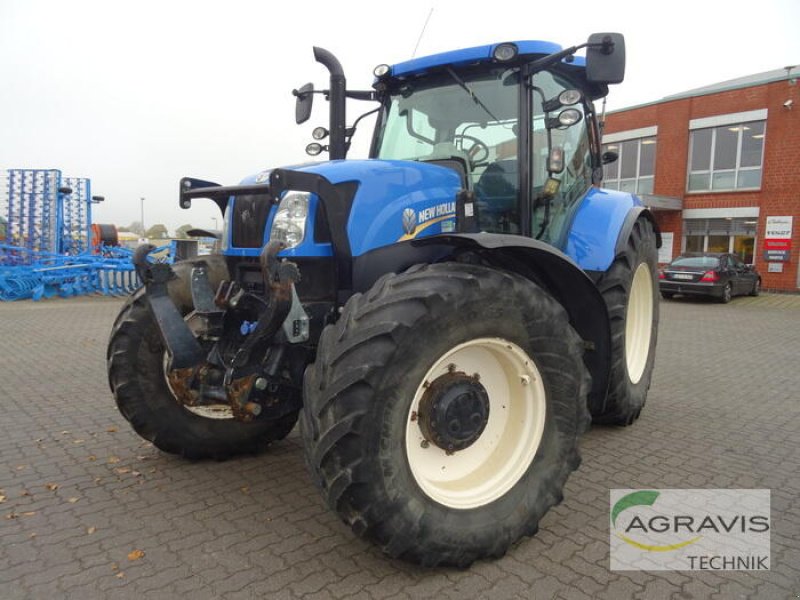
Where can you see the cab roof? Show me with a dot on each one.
(476, 54)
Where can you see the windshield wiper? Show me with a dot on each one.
(472, 95)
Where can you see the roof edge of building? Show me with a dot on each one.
(719, 88)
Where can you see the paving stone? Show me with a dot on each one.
(722, 412)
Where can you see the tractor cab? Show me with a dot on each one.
(515, 120)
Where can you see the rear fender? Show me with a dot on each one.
(601, 228)
(537, 261)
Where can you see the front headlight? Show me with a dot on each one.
(289, 224)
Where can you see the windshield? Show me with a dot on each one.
(704, 262)
(437, 117)
(471, 119)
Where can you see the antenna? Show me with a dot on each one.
(421, 33)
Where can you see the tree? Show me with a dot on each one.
(157, 232)
(135, 227)
(180, 232)
(3, 229)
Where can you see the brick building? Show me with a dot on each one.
(720, 166)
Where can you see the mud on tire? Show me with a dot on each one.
(359, 428)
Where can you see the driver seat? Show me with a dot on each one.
(497, 192)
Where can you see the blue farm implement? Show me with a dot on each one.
(25, 274)
(48, 249)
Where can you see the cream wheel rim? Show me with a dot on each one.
(639, 322)
(505, 450)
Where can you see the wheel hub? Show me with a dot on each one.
(454, 411)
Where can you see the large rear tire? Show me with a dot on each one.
(136, 374)
(491, 356)
(630, 290)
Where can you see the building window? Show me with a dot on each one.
(633, 171)
(736, 235)
(727, 157)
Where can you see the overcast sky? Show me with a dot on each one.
(136, 95)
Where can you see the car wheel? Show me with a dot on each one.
(667, 295)
(727, 293)
(756, 288)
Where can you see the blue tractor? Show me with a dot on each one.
(445, 318)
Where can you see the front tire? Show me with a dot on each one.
(136, 362)
(491, 356)
(630, 290)
(756, 288)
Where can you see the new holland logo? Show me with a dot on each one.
(409, 220)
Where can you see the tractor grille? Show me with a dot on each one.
(249, 220)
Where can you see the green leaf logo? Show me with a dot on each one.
(642, 498)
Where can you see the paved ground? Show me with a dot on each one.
(87, 510)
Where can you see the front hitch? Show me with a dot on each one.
(181, 344)
(199, 374)
(279, 279)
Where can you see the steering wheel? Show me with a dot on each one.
(477, 152)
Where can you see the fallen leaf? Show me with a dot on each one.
(111, 429)
(65, 432)
(90, 530)
(24, 493)
(78, 441)
(10, 516)
(51, 486)
(2, 499)
(20, 467)
(245, 489)
(122, 470)
(120, 575)
(33, 534)
(30, 513)
(112, 460)
(135, 554)
(136, 473)
(73, 500)
(114, 567)
(92, 457)
(37, 440)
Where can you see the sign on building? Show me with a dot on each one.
(778, 239)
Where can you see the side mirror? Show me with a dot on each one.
(305, 100)
(605, 58)
(609, 156)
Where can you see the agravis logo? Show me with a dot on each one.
(689, 529)
(645, 498)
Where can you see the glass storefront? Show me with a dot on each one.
(736, 235)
